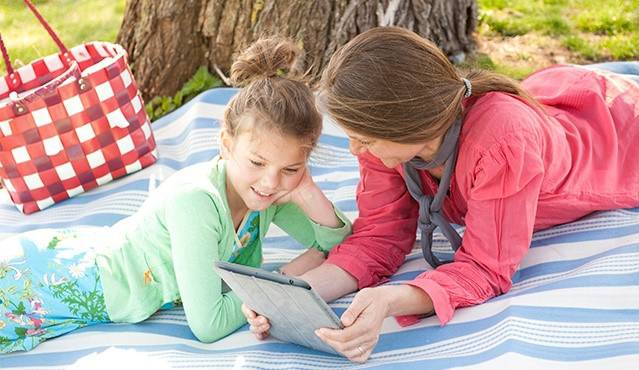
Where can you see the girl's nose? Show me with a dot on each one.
(271, 180)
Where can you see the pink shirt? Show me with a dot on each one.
(518, 171)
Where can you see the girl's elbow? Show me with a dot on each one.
(208, 335)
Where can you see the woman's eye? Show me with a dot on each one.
(256, 163)
(291, 171)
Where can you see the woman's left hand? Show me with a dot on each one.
(363, 322)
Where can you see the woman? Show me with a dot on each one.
(479, 150)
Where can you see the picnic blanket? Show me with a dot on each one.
(574, 303)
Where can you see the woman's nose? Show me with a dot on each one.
(355, 147)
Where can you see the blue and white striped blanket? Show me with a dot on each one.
(574, 303)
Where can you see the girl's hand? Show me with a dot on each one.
(303, 188)
(258, 324)
(363, 322)
(312, 201)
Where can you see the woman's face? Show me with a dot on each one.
(392, 154)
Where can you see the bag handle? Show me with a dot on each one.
(47, 27)
(5, 56)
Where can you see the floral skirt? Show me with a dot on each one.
(49, 286)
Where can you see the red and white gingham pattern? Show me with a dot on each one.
(82, 128)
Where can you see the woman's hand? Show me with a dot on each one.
(258, 324)
(363, 322)
(364, 317)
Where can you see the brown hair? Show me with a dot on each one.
(390, 83)
(274, 91)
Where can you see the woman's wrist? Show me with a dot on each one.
(405, 299)
(330, 281)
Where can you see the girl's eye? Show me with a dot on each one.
(256, 163)
(291, 171)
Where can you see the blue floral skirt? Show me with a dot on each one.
(49, 286)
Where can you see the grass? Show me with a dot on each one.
(74, 21)
(582, 31)
(516, 37)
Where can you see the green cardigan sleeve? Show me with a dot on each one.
(194, 223)
(290, 218)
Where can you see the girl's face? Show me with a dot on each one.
(262, 166)
(392, 154)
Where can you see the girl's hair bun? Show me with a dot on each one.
(267, 58)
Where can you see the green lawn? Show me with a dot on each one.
(75, 21)
(587, 30)
(581, 31)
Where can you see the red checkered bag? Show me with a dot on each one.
(70, 122)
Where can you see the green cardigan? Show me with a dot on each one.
(166, 251)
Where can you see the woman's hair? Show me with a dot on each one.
(390, 83)
(273, 92)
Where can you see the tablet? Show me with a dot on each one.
(294, 310)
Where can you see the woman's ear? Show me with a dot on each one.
(226, 144)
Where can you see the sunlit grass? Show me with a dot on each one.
(614, 22)
(589, 30)
(75, 22)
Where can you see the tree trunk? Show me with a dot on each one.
(168, 40)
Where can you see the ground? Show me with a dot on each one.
(516, 37)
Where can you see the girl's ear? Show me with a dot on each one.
(226, 144)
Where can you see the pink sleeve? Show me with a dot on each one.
(384, 232)
(502, 194)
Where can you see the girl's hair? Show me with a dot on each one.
(390, 83)
(274, 92)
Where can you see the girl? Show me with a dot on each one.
(52, 282)
(436, 146)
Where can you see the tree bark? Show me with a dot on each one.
(168, 40)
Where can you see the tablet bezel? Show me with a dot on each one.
(263, 274)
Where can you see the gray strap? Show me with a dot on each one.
(448, 147)
(430, 215)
